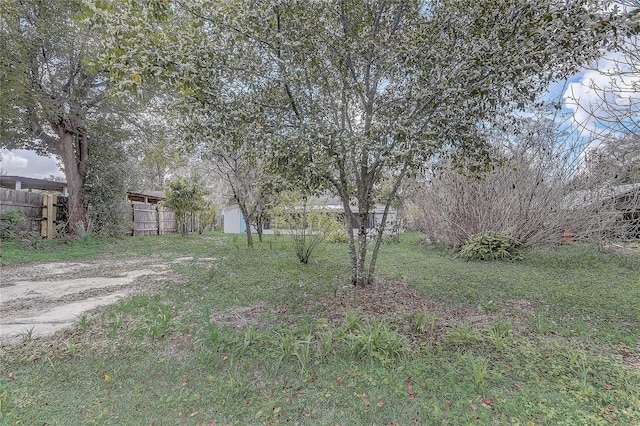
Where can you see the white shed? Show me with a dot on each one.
(233, 222)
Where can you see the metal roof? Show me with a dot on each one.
(31, 183)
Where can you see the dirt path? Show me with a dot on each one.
(40, 299)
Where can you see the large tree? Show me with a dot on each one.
(49, 92)
(356, 94)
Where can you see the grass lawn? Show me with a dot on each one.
(254, 337)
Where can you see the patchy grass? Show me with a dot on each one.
(255, 337)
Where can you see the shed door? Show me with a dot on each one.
(243, 227)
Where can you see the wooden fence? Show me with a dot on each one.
(47, 214)
(152, 219)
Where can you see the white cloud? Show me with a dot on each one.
(11, 161)
(25, 163)
(605, 95)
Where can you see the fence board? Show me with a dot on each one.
(145, 219)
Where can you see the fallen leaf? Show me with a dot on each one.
(607, 386)
(410, 393)
(107, 377)
(339, 380)
(213, 422)
(276, 410)
(10, 376)
(366, 402)
(380, 403)
(362, 395)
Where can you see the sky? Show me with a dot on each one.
(19, 162)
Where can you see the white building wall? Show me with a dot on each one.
(231, 220)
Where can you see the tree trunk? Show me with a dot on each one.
(247, 224)
(72, 149)
(259, 225)
(362, 278)
(385, 214)
(348, 228)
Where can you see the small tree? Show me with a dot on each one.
(305, 221)
(207, 216)
(184, 198)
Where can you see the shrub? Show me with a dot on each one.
(185, 198)
(307, 224)
(10, 223)
(490, 246)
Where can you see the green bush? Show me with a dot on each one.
(490, 245)
(333, 230)
(185, 197)
(10, 223)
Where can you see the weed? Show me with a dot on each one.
(480, 371)
(71, 348)
(489, 306)
(115, 325)
(302, 352)
(498, 334)
(423, 322)
(352, 321)
(462, 337)
(213, 334)
(159, 325)
(83, 322)
(326, 344)
(540, 323)
(285, 344)
(374, 339)
(250, 334)
(579, 366)
(27, 335)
